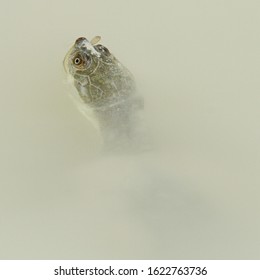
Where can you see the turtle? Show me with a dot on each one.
(105, 87)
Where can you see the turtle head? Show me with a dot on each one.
(82, 57)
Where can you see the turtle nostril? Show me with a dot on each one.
(80, 40)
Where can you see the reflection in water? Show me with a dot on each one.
(193, 194)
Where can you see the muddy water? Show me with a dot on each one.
(194, 195)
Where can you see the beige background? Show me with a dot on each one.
(196, 195)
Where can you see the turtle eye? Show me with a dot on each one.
(77, 60)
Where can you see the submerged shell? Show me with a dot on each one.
(104, 85)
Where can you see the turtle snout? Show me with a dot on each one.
(80, 42)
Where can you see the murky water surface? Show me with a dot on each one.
(194, 195)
